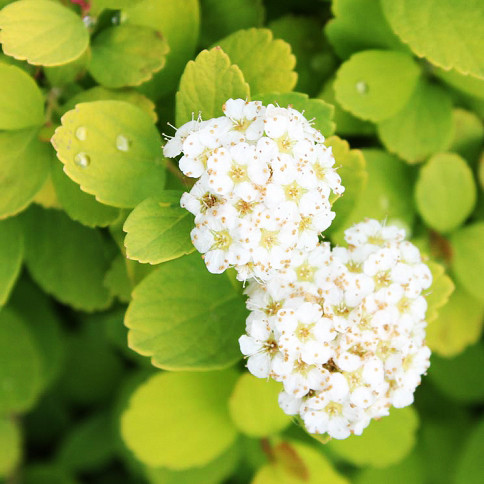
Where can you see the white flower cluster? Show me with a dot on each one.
(343, 330)
(265, 179)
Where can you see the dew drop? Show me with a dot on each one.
(122, 143)
(82, 159)
(81, 133)
(362, 87)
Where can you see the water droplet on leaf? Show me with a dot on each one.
(81, 133)
(362, 87)
(122, 143)
(82, 159)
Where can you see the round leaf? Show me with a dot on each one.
(80, 206)
(172, 409)
(445, 192)
(11, 255)
(42, 32)
(468, 135)
(440, 291)
(21, 100)
(254, 409)
(206, 84)
(266, 63)
(468, 258)
(158, 231)
(112, 150)
(66, 259)
(313, 109)
(20, 376)
(453, 38)
(25, 166)
(127, 55)
(376, 84)
(186, 318)
(383, 442)
(10, 446)
(423, 127)
(457, 326)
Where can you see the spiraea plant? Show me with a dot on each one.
(241, 241)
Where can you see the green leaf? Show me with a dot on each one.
(383, 442)
(65, 74)
(315, 59)
(254, 409)
(346, 123)
(20, 377)
(206, 84)
(39, 315)
(42, 32)
(127, 55)
(25, 166)
(89, 445)
(179, 22)
(21, 100)
(215, 472)
(376, 84)
(468, 258)
(469, 466)
(46, 474)
(296, 462)
(10, 446)
(348, 34)
(440, 291)
(80, 206)
(185, 318)
(266, 63)
(181, 407)
(458, 326)
(351, 167)
(112, 150)
(313, 109)
(407, 471)
(460, 378)
(222, 18)
(423, 127)
(11, 256)
(158, 231)
(385, 195)
(66, 259)
(468, 135)
(453, 40)
(466, 84)
(445, 192)
(114, 4)
(99, 93)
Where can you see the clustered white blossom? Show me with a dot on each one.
(342, 329)
(265, 180)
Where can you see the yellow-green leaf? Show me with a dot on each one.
(423, 127)
(42, 32)
(383, 442)
(267, 63)
(112, 150)
(448, 33)
(376, 84)
(10, 445)
(11, 256)
(254, 409)
(21, 100)
(445, 192)
(206, 84)
(180, 420)
(127, 55)
(440, 291)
